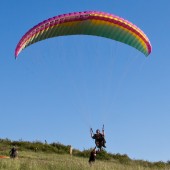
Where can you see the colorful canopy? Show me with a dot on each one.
(87, 23)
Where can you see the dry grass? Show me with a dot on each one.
(28, 160)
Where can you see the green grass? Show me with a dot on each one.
(56, 157)
(29, 160)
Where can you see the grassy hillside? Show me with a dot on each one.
(55, 156)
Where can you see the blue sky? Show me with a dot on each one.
(57, 89)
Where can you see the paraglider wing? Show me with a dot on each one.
(87, 23)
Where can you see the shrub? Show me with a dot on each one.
(124, 159)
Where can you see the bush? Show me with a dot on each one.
(159, 164)
(124, 159)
